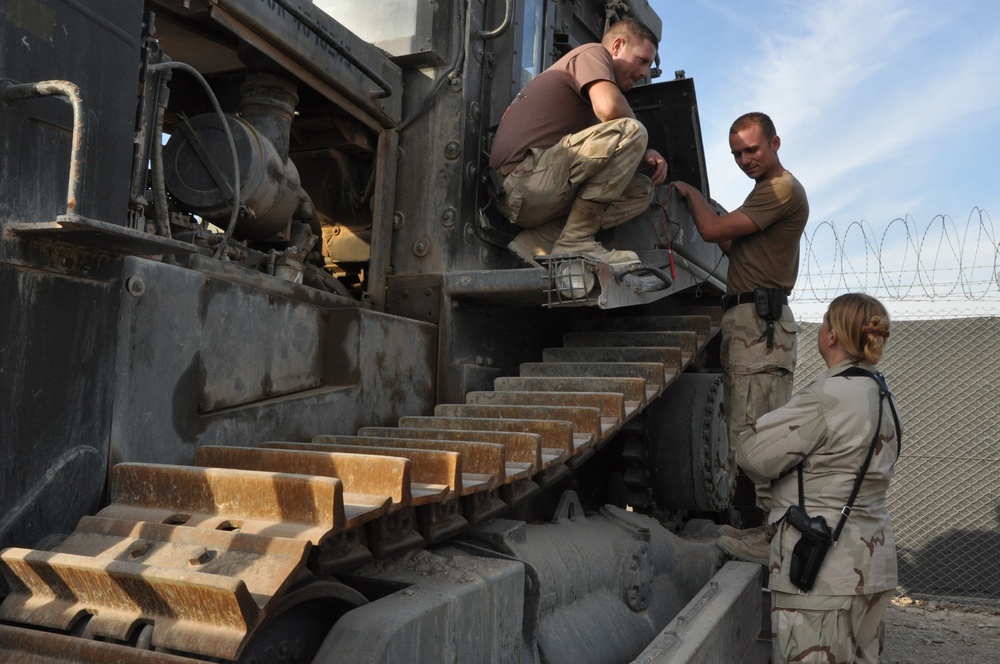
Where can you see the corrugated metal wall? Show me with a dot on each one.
(945, 497)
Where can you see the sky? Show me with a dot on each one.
(886, 109)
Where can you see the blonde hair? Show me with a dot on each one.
(861, 323)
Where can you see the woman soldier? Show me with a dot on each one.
(813, 450)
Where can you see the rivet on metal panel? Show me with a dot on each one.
(448, 217)
(135, 286)
(421, 247)
(452, 150)
(397, 221)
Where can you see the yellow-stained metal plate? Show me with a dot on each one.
(519, 447)
(651, 372)
(556, 437)
(686, 341)
(372, 484)
(482, 459)
(437, 472)
(610, 405)
(193, 612)
(586, 421)
(278, 504)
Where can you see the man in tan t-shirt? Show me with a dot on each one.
(568, 148)
(759, 331)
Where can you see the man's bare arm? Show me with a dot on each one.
(712, 227)
(610, 104)
(608, 101)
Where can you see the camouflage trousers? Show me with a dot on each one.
(756, 379)
(838, 629)
(598, 164)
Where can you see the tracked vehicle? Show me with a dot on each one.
(273, 390)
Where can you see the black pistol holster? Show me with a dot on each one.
(810, 550)
(768, 303)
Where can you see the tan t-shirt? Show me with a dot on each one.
(551, 105)
(770, 258)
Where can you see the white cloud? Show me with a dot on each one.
(868, 97)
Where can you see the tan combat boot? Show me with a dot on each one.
(752, 545)
(578, 235)
(536, 241)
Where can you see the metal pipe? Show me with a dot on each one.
(500, 29)
(78, 159)
(159, 187)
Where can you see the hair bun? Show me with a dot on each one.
(876, 331)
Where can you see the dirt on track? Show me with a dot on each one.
(940, 632)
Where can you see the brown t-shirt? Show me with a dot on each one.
(770, 258)
(552, 105)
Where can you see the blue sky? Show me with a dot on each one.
(886, 108)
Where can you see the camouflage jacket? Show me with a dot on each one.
(828, 427)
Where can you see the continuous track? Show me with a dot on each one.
(194, 559)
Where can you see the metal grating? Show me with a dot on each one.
(945, 497)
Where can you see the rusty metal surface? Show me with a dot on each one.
(556, 438)
(127, 574)
(686, 341)
(483, 464)
(282, 505)
(670, 358)
(434, 474)
(650, 372)
(586, 421)
(610, 405)
(265, 563)
(701, 325)
(520, 447)
(371, 483)
(192, 611)
(633, 389)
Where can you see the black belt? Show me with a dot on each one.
(731, 300)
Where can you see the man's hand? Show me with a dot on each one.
(712, 227)
(682, 189)
(654, 160)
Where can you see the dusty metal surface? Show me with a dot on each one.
(377, 493)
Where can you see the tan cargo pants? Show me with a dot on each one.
(756, 379)
(597, 164)
(839, 628)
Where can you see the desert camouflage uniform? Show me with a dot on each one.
(756, 379)
(596, 164)
(828, 427)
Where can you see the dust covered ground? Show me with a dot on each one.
(940, 632)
